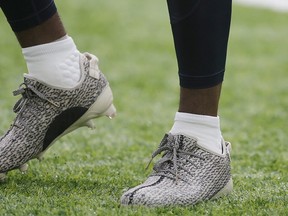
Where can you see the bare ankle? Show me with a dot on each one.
(200, 101)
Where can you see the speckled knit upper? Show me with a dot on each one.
(185, 175)
(44, 112)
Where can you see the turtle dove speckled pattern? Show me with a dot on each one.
(45, 113)
(185, 175)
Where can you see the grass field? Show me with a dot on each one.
(86, 171)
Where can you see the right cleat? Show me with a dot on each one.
(46, 113)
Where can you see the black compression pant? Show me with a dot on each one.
(200, 30)
(25, 14)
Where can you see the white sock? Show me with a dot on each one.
(206, 129)
(55, 63)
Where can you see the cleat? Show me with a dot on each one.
(185, 175)
(46, 113)
(23, 168)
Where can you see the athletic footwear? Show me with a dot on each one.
(185, 175)
(46, 113)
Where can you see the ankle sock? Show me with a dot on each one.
(55, 63)
(206, 129)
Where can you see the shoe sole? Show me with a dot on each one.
(103, 106)
(224, 191)
(229, 186)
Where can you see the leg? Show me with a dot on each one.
(200, 30)
(42, 34)
(195, 165)
(200, 43)
(63, 90)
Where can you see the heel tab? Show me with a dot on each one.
(94, 70)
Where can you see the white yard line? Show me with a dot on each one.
(277, 5)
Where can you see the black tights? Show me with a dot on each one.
(200, 30)
(25, 14)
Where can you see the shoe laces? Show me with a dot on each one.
(173, 157)
(28, 92)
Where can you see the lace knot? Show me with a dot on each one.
(29, 92)
(25, 92)
(174, 156)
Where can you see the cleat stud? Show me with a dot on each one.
(2, 177)
(111, 112)
(112, 115)
(40, 157)
(23, 168)
(90, 124)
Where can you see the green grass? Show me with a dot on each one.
(86, 171)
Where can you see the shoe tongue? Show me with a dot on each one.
(182, 142)
(188, 144)
(176, 142)
(37, 84)
(28, 77)
(30, 80)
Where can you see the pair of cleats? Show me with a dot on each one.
(185, 175)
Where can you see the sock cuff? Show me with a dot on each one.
(55, 63)
(206, 129)
(65, 45)
(211, 121)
